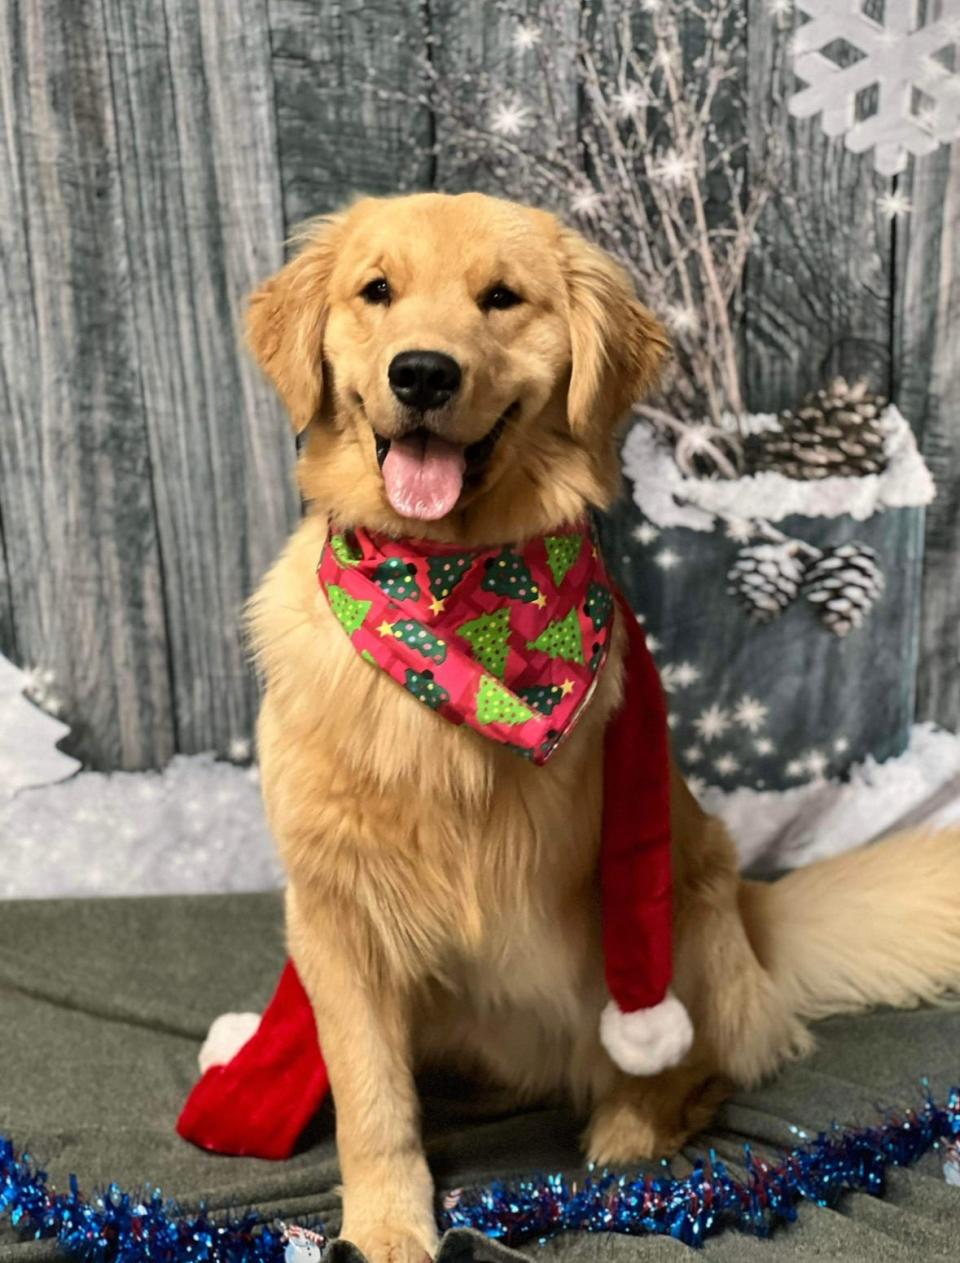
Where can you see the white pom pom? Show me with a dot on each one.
(647, 1040)
(227, 1035)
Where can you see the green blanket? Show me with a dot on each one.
(103, 1005)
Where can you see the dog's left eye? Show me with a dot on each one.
(499, 298)
(377, 291)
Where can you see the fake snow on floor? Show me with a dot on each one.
(199, 825)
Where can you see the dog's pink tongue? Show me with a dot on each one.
(423, 477)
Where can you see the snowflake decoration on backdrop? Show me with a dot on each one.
(510, 118)
(750, 713)
(666, 559)
(630, 100)
(645, 533)
(526, 37)
(911, 70)
(712, 723)
(586, 201)
(894, 204)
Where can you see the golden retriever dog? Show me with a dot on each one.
(441, 904)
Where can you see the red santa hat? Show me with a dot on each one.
(259, 1090)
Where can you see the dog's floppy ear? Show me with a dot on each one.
(618, 348)
(285, 321)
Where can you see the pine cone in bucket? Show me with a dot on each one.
(834, 433)
(843, 585)
(765, 578)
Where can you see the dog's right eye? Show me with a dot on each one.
(377, 291)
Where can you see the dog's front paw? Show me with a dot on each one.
(392, 1243)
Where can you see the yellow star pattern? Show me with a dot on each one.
(385, 628)
(540, 602)
(567, 687)
(437, 605)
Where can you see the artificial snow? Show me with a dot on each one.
(786, 829)
(199, 825)
(668, 498)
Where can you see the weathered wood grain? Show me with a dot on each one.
(480, 64)
(75, 478)
(819, 285)
(8, 638)
(927, 383)
(346, 83)
(196, 147)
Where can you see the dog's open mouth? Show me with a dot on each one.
(424, 475)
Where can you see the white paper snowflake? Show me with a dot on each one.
(763, 745)
(693, 754)
(906, 68)
(653, 644)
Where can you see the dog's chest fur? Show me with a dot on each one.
(456, 857)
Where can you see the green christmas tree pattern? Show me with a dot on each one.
(487, 636)
(599, 605)
(561, 639)
(398, 578)
(349, 611)
(418, 637)
(507, 575)
(543, 697)
(425, 688)
(445, 572)
(497, 705)
(562, 552)
(346, 553)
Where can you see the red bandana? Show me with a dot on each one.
(509, 640)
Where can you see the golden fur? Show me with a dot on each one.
(441, 902)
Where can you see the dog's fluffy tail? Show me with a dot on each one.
(879, 925)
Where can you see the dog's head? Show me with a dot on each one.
(460, 363)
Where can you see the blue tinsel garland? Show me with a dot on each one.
(118, 1227)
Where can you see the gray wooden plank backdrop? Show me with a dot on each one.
(155, 157)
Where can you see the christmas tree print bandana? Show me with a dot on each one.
(509, 640)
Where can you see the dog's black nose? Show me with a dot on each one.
(424, 379)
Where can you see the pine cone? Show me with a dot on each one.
(834, 433)
(843, 585)
(765, 578)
